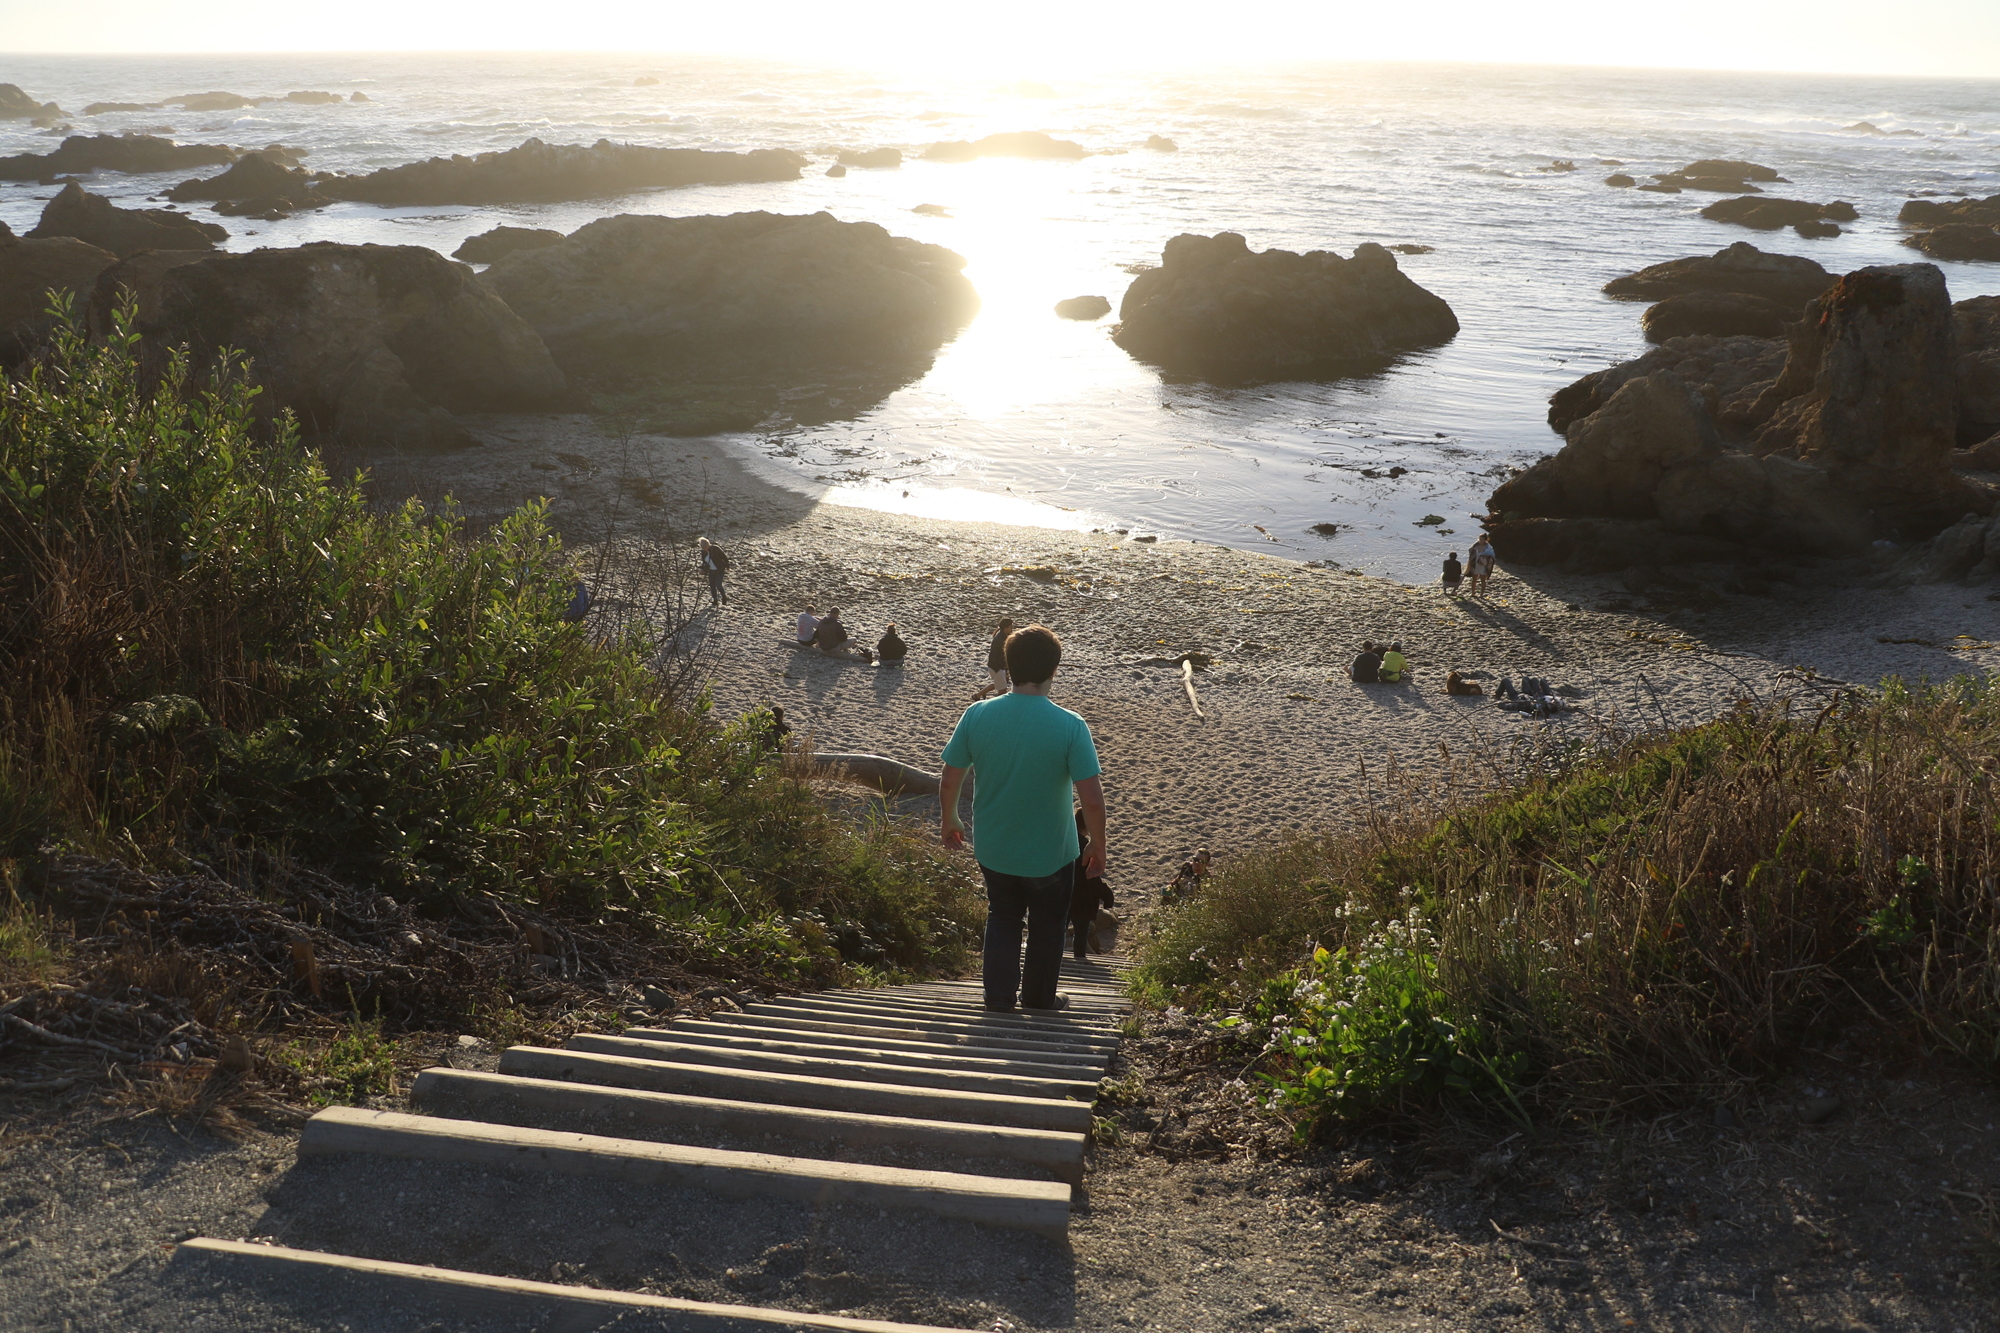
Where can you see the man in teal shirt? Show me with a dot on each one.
(1030, 754)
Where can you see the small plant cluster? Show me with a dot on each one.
(216, 651)
(1656, 921)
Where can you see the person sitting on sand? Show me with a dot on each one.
(1192, 872)
(1394, 664)
(777, 732)
(831, 638)
(1367, 668)
(808, 626)
(1454, 575)
(890, 649)
(1457, 684)
(1088, 892)
(996, 662)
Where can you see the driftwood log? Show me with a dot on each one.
(885, 775)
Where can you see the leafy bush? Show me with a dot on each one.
(1656, 923)
(212, 645)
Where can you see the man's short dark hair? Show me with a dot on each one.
(1033, 654)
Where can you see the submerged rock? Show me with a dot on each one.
(1214, 306)
(1958, 241)
(1023, 143)
(873, 157)
(375, 342)
(1716, 314)
(490, 247)
(29, 270)
(540, 171)
(93, 218)
(1739, 269)
(134, 154)
(758, 294)
(1765, 213)
(1084, 307)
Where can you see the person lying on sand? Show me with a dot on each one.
(890, 649)
(1367, 668)
(831, 639)
(1394, 664)
(808, 625)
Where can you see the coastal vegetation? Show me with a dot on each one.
(247, 710)
(1660, 921)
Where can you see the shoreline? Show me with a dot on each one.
(1287, 741)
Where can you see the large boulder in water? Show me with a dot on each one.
(29, 271)
(377, 343)
(1715, 314)
(1216, 307)
(491, 246)
(134, 154)
(258, 185)
(537, 171)
(1020, 143)
(1938, 212)
(1958, 241)
(879, 158)
(1764, 213)
(17, 105)
(1740, 269)
(757, 294)
(93, 218)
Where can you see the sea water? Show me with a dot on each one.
(1027, 417)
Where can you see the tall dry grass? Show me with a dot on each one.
(1660, 921)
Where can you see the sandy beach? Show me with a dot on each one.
(1285, 740)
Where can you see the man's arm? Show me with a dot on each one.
(1090, 792)
(948, 789)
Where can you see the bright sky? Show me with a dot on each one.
(1035, 37)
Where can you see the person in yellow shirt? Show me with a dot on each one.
(1394, 664)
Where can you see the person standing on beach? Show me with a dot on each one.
(1483, 559)
(1454, 574)
(1030, 755)
(714, 564)
(996, 662)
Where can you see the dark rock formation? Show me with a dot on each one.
(1740, 269)
(213, 102)
(256, 186)
(1716, 314)
(94, 219)
(1023, 143)
(1717, 176)
(100, 108)
(1160, 143)
(1729, 374)
(836, 170)
(1852, 441)
(489, 247)
(375, 342)
(1730, 168)
(17, 105)
(1958, 240)
(1816, 231)
(1975, 326)
(539, 171)
(757, 294)
(309, 98)
(1216, 307)
(873, 157)
(1084, 307)
(1660, 187)
(1618, 180)
(1936, 213)
(29, 271)
(360, 97)
(136, 154)
(1763, 213)
(1406, 248)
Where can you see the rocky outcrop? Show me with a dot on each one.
(1083, 307)
(1740, 269)
(873, 157)
(96, 220)
(17, 105)
(1716, 176)
(1975, 326)
(258, 185)
(1216, 307)
(1717, 315)
(537, 171)
(492, 246)
(212, 101)
(134, 154)
(1160, 143)
(1850, 442)
(1958, 241)
(836, 170)
(747, 295)
(1022, 143)
(1938, 212)
(29, 271)
(1765, 213)
(374, 342)
(1618, 180)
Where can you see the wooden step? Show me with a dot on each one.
(940, 1006)
(543, 1306)
(736, 1038)
(928, 1032)
(825, 1094)
(751, 1035)
(443, 1091)
(824, 1067)
(1025, 1205)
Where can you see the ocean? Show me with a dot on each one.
(1029, 418)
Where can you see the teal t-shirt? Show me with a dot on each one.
(1025, 752)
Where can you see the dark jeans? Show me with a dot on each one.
(716, 595)
(1045, 904)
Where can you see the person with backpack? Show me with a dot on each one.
(714, 563)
